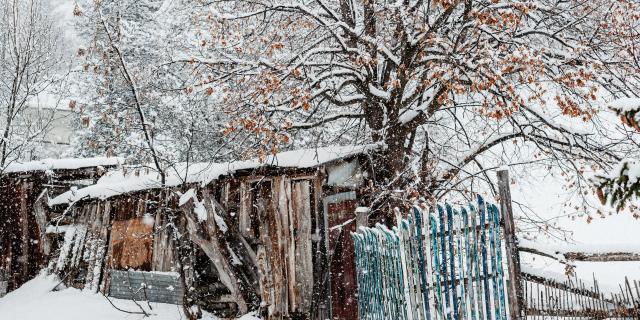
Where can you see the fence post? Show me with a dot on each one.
(514, 288)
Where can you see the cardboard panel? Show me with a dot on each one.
(131, 245)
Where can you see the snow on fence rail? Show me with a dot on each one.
(446, 264)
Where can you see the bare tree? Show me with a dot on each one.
(445, 87)
(29, 67)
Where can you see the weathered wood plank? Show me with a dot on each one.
(289, 200)
(514, 285)
(24, 225)
(278, 246)
(301, 235)
(163, 250)
(245, 211)
(40, 213)
(341, 221)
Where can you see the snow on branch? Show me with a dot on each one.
(629, 111)
(565, 253)
(325, 120)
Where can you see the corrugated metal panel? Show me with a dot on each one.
(140, 285)
(4, 286)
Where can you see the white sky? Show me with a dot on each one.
(546, 196)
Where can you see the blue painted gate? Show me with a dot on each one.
(444, 263)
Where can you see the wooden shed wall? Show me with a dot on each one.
(21, 251)
(117, 236)
(280, 216)
(24, 249)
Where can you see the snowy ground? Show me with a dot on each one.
(35, 301)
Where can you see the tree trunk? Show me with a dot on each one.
(390, 176)
(395, 159)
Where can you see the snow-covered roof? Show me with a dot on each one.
(61, 164)
(130, 180)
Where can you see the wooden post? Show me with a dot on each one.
(362, 217)
(514, 288)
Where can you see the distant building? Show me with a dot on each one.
(56, 136)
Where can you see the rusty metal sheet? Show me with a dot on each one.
(344, 288)
(163, 287)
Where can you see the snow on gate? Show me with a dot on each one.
(442, 264)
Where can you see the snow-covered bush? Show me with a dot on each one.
(629, 111)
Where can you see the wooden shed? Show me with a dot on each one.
(271, 236)
(24, 247)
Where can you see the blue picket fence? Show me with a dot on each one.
(444, 263)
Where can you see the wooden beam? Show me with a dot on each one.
(535, 251)
(223, 247)
(601, 257)
(559, 285)
(567, 257)
(514, 286)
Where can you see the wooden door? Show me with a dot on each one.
(131, 245)
(344, 288)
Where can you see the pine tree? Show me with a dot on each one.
(621, 185)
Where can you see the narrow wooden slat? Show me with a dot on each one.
(423, 267)
(438, 300)
(444, 263)
(477, 264)
(469, 264)
(464, 297)
(452, 259)
(494, 265)
(483, 246)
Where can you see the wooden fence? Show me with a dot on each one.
(545, 298)
(453, 264)
(441, 264)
